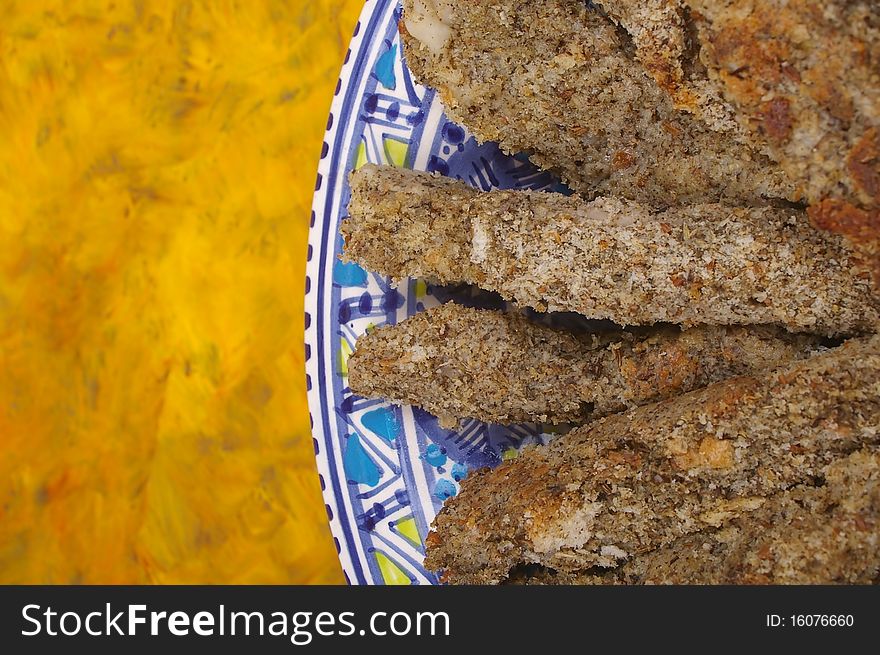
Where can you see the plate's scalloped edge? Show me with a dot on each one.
(351, 568)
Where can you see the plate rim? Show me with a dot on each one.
(318, 236)
(351, 519)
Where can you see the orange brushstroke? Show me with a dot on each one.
(156, 172)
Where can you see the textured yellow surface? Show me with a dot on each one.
(157, 161)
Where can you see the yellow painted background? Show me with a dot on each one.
(157, 161)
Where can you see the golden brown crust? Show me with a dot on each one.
(611, 259)
(498, 367)
(800, 76)
(631, 483)
(666, 44)
(828, 534)
(859, 225)
(804, 77)
(863, 163)
(560, 81)
(750, 99)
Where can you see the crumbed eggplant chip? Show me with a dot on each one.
(457, 362)
(630, 483)
(612, 259)
(828, 534)
(561, 80)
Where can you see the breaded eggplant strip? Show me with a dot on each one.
(630, 483)
(804, 78)
(807, 535)
(799, 77)
(666, 45)
(458, 362)
(560, 81)
(611, 259)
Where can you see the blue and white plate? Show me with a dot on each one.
(385, 470)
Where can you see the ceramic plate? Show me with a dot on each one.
(385, 470)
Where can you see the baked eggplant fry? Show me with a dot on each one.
(666, 44)
(807, 535)
(804, 78)
(630, 483)
(558, 80)
(457, 362)
(611, 259)
(799, 77)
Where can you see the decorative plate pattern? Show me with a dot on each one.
(385, 470)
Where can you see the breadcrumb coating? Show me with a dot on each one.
(609, 258)
(803, 77)
(666, 43)
(560, 80)
(800, 78)
(671, 101)
(457, 362)
(630, 483)
(828, 534)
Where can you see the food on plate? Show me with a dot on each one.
(663, 38)
(800, 78)
(609, 258)
(672, 101)
(803, 77)
(804, 535)
(723, 440)
(633, 482)
(457, 362)
(559, 80)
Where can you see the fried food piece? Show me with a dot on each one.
(499, 367)
(807, 535)
(804, 78)
(666, 43)
(611, 259)
(800, 78)
(559, 80)
(631, 483)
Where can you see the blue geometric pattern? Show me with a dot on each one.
(386, 470)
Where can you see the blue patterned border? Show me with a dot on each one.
(384, 470)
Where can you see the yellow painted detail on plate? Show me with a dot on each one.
(421, 289)
(345, 351)
(407, 527)
(395, 151)
(391, 573)
(361, 156)
(510, 453)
